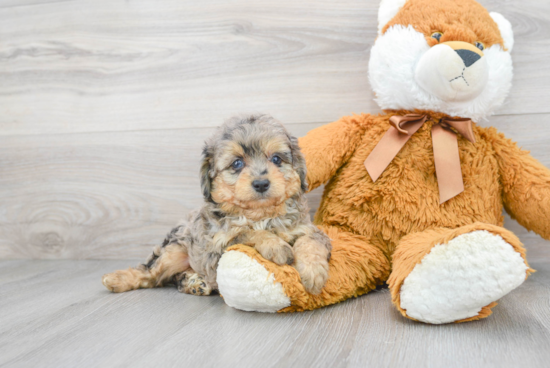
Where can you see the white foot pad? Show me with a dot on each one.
(247, 285)
(455, 280)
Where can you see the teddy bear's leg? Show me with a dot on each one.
(249, 282)
(456, 275)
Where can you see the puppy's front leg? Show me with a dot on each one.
(190, 282)
(271, 247)
(312, 253)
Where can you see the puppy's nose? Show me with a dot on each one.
(468, 57)
(260, 186)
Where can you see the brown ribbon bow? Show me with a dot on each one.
(445, 148)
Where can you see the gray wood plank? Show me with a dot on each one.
(105, 65)
(17, 3)
(103, 195)
(114, 195)
(147, 77)
(112, 65)
(59, 315)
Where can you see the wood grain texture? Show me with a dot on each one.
(109, 65)
(112, 65)
(100, 195)
(18, 3)
(57, 314)
(104, 105)
(114, 195)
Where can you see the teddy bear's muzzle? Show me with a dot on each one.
(453, 71)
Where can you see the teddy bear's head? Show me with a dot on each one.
(449, 56)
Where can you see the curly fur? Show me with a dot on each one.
(382, 231)
(236, 213)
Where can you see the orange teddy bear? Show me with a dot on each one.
(415, 195)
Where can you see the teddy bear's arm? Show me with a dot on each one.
(328, 147)
(526, 186)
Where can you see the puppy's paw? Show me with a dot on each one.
(313, 275)
(193, 284)
(123, 280)
(276, 250)
(114, 282)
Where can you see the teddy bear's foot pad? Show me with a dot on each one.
(246, 285)
(456, 280)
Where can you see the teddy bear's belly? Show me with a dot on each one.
(405, 199)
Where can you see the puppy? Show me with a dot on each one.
(253, 178)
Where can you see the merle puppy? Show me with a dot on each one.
(253, 178)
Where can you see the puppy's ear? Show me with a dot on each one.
(206, 168)
(298, 162)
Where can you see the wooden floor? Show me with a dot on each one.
(57, 314)
(104, 105)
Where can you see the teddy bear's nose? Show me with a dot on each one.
(467, 56)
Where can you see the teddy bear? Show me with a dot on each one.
(414, 195)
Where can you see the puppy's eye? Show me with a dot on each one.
(480, 46)
(276, 160)
(437, 35)
(237, 164)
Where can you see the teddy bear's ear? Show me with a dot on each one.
(388, 9)
(505, 29)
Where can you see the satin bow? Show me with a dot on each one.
(445, 148)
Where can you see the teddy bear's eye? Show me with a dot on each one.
(480, 46)
(437, 35)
